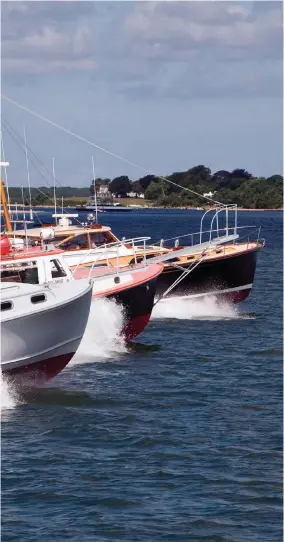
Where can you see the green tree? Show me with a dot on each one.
(120, 186)
(144, 182)
(137, 188)
(41, 199)
(241, 174)
(154, 191)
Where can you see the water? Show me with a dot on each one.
(176, 438)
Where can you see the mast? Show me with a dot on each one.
(4, 201)
(54, 187)
(28, 172)
(6, 176)
(23, 201)
(94, 177)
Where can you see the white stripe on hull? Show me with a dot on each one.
(216, 292)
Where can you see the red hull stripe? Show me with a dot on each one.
(235, 297)
(135, 326)
(40, 371)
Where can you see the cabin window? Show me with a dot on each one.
(57, 270)
(6, 305)
(78, 242)
(25, 272)
(101, 238)
(38, 298)
(60, 239)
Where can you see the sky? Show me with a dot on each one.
(165, 85)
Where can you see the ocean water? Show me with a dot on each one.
(177, 437)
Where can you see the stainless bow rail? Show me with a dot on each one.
(215, 230)
(109, 251)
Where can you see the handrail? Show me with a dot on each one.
(102, 253)
(198, 233)
(122, 242)
(117, 269)
(217, 210)
(201, 222)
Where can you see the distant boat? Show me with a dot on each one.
(103, 205)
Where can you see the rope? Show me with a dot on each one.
(60, 127)
(186, 272)
(34, 165)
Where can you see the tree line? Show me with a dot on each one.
(237, 186)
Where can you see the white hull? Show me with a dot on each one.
(42, 341)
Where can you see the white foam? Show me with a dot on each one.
(103, 336)
(9, 399)
(206, 308)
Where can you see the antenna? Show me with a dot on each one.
(28, 172)
(54, 189)
(94, 177)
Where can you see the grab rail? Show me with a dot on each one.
(103, 253)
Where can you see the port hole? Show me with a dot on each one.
(38, 298)
(6, 305)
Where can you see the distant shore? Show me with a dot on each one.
(20, 206)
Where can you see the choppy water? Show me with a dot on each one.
(175, 438)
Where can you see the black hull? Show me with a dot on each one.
(137, 303)
(104, 209)
(231, 275)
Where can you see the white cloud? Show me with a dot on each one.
(149, 48)
(46, 37)
(223, 45)
(190, 24)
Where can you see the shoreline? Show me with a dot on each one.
(149, 208)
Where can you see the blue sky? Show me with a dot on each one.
(167, 85)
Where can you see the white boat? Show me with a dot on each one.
(132, 287)
(41, 328)
(103, 208)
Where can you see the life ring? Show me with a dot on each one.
(5, 246)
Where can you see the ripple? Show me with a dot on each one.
(176, 438)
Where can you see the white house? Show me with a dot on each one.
(209, 194)
(135, 195)
(103, 190)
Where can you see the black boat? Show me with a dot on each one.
(228, 274)
(217, 262)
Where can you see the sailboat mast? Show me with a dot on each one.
(94, 177)
(28, 172)
(4, 201)
(54, 188)
(23, 201)
(6, 176)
